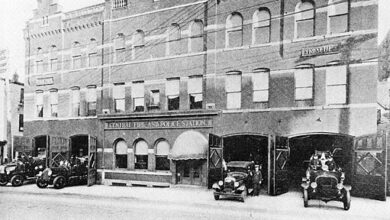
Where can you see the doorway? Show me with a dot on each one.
(190, 172)
(79, 145)
(40, 147)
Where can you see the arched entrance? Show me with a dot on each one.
(302, 146)
(79, 145)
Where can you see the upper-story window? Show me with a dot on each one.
(119, 46)
(119, 97)
(91, 100)
(336, 85)
(120, 3)
(39, 103)
(234, 30)
(53, 66)
(93, 59)
(154, 99)
(174, 36)
(138, 95)
(75, 102)
(39, 61)
(138, 44)
(304, 19)
(233, 90)
(337, 16)
(195, 91)
(196, 36)
(303, 83)
(76, 55)
(21, 101)
(54, 103)
(261, 26)
(260, 80)
(173, 93)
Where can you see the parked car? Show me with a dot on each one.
(238, 182)
(16, 172)
(64, 175)
(325, 181)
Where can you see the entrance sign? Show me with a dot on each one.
(369, 167)
(215, 159)
(317, 51)
(92, 153)
(159, 124)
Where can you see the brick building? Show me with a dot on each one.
(170, 88)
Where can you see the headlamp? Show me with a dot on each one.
(313, 185)
(220, 183)
(236, 184)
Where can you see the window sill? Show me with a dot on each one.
(236, 48)
(320, 37)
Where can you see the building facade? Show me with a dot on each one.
(172, 88)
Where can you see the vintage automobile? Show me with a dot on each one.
(238, 181)
(22, 169)
(325, 181)
(64, 175)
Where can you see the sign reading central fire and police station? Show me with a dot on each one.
(160, 124)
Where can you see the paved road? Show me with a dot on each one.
(121, 203)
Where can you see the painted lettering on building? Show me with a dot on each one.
(160, 124)
(323, 50)
(45, 81)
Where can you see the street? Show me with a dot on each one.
(107, 202)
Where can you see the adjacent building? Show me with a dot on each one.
(171, 88)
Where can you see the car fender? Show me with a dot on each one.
(347, 187)
(305, 185)
(216, 186)
(241, 188)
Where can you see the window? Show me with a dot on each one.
(303, 84)
(196, 36)
(233, 91)
(93, 60)
(195, 88)
(141, 155)
(21, 124)
(261, 86)
(337, 16)
(121, 154)
(120, 3)
(154, 101)
(76, 62)
(261, 26)
(138, 94)
(54, 103)
(304, 19)
(138, 43)
(91, 101)
(174, 36)
(39, 103)
(336, 85)
(172, 92)
(120, 48)
(21, 96)
(39, 66)
(75, 105)
(119, 97)
(162, 151)
(53, 64)
(234, 30)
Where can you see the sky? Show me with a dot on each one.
(14, 14)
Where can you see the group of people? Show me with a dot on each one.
(75, 163)
(322, 161)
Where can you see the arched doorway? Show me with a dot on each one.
(304, 145)
(79, 145)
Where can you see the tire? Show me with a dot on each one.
(17, 180)
(3, 180)
(347, 200)
(216, 197)
(305, 198)
(59, 182)
(42, 184)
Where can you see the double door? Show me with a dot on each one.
(189, 172)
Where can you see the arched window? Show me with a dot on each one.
(196, 36)
(162, 151)
(121, 154)
(234, 30)
(139, 38)
(76, 55)
(337, 16)
(141, 154)
(261, 26)
(304, 19)
(174, 36)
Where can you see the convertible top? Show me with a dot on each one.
(242, 164)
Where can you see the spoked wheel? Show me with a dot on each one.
(3, 180)
(59, 182)
(17, 180)
(305, 198)
(42, 183)
(347, 200)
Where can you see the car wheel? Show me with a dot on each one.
(216, 197)
(42, 183)
(3, 180)
(17, 180)
(59, 182)
(347, 200)
(305, 198)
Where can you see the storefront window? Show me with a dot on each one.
(138, 94)
(195, 92)
(141, 155)
(162, 150)
(172, 92)
(121, 154)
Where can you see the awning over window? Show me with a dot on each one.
(190, 145)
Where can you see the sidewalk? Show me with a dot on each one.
(288, 202)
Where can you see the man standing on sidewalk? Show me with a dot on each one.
(257, 179)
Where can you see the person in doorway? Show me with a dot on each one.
(257, 179)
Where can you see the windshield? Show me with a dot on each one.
(237, 169)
